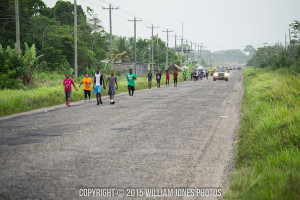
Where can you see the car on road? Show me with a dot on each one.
(220, 74)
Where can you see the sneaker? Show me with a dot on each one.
(97, 102)
(101, 102)
(113, 102)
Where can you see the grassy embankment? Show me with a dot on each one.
(268, 159)
(48, 90)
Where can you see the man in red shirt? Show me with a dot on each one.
(68, 82)
(175, 75)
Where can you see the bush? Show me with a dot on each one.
(53, 58)
(12, 68)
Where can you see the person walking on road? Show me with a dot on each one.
(175, 76)
(86, 81)
(130, 81)
(184, 75)
(158, 77)
(206, 74)
(149, 76)
(167, 78)
(98, 84)
(68, 82)
(112, 79)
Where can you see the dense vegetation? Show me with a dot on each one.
(279, 56)
(50, 32)
(268, 159)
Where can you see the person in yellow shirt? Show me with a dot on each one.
(86, 81)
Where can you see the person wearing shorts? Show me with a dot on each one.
(130, 82)
(158, 77)
(98, 83)
(175, 76)
(149, 76)
(167, 78)
(112, 80)
(86, 81)
(68, 82)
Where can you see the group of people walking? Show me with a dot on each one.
(98, 84)
(159, 77)
(111, 81)
(199, 75)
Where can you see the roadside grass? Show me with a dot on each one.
(48, 91)
(267, 165)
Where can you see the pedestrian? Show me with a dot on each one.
(68, 82)
(175, 76)
(158, 77)
(112, 79)
(86, 81)
(192, 75)
(184, 75)
(130, 81)
(197, 75)
(206, 74)
(98, 84)
(149, 76)
(167, 78)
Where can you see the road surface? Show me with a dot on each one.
(161, 138)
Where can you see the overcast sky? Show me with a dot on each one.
(218, 24)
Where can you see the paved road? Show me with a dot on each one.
(160, 138)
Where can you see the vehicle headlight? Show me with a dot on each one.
(226, 74)
(215, 74)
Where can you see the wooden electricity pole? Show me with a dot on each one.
(75, 39)
(17, 26)
(135, 20)
(110, 31)
(167, 56)
(152, 65)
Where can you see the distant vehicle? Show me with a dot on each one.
(220, 74)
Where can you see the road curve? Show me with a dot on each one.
(161, 138)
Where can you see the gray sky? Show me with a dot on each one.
(218, 24)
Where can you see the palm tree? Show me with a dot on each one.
(121, 56)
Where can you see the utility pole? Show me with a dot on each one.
(135, 20)
(182, 46)
(75, 39)
(195, 51)
(176, 42)
(152, 65)
(17, 26)
(167, 57)
(285, 41)
(110, 30)
(191, 53)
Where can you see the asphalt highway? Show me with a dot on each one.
(168, 137)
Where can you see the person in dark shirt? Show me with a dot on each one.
(158, 77)
(149, 76)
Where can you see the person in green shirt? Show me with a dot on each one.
(131, 84)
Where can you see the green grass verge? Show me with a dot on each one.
(48, 90)
(268, 159)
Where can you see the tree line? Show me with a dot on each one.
(280, 55)
(49, 33)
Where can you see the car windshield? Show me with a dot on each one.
(220, 70)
